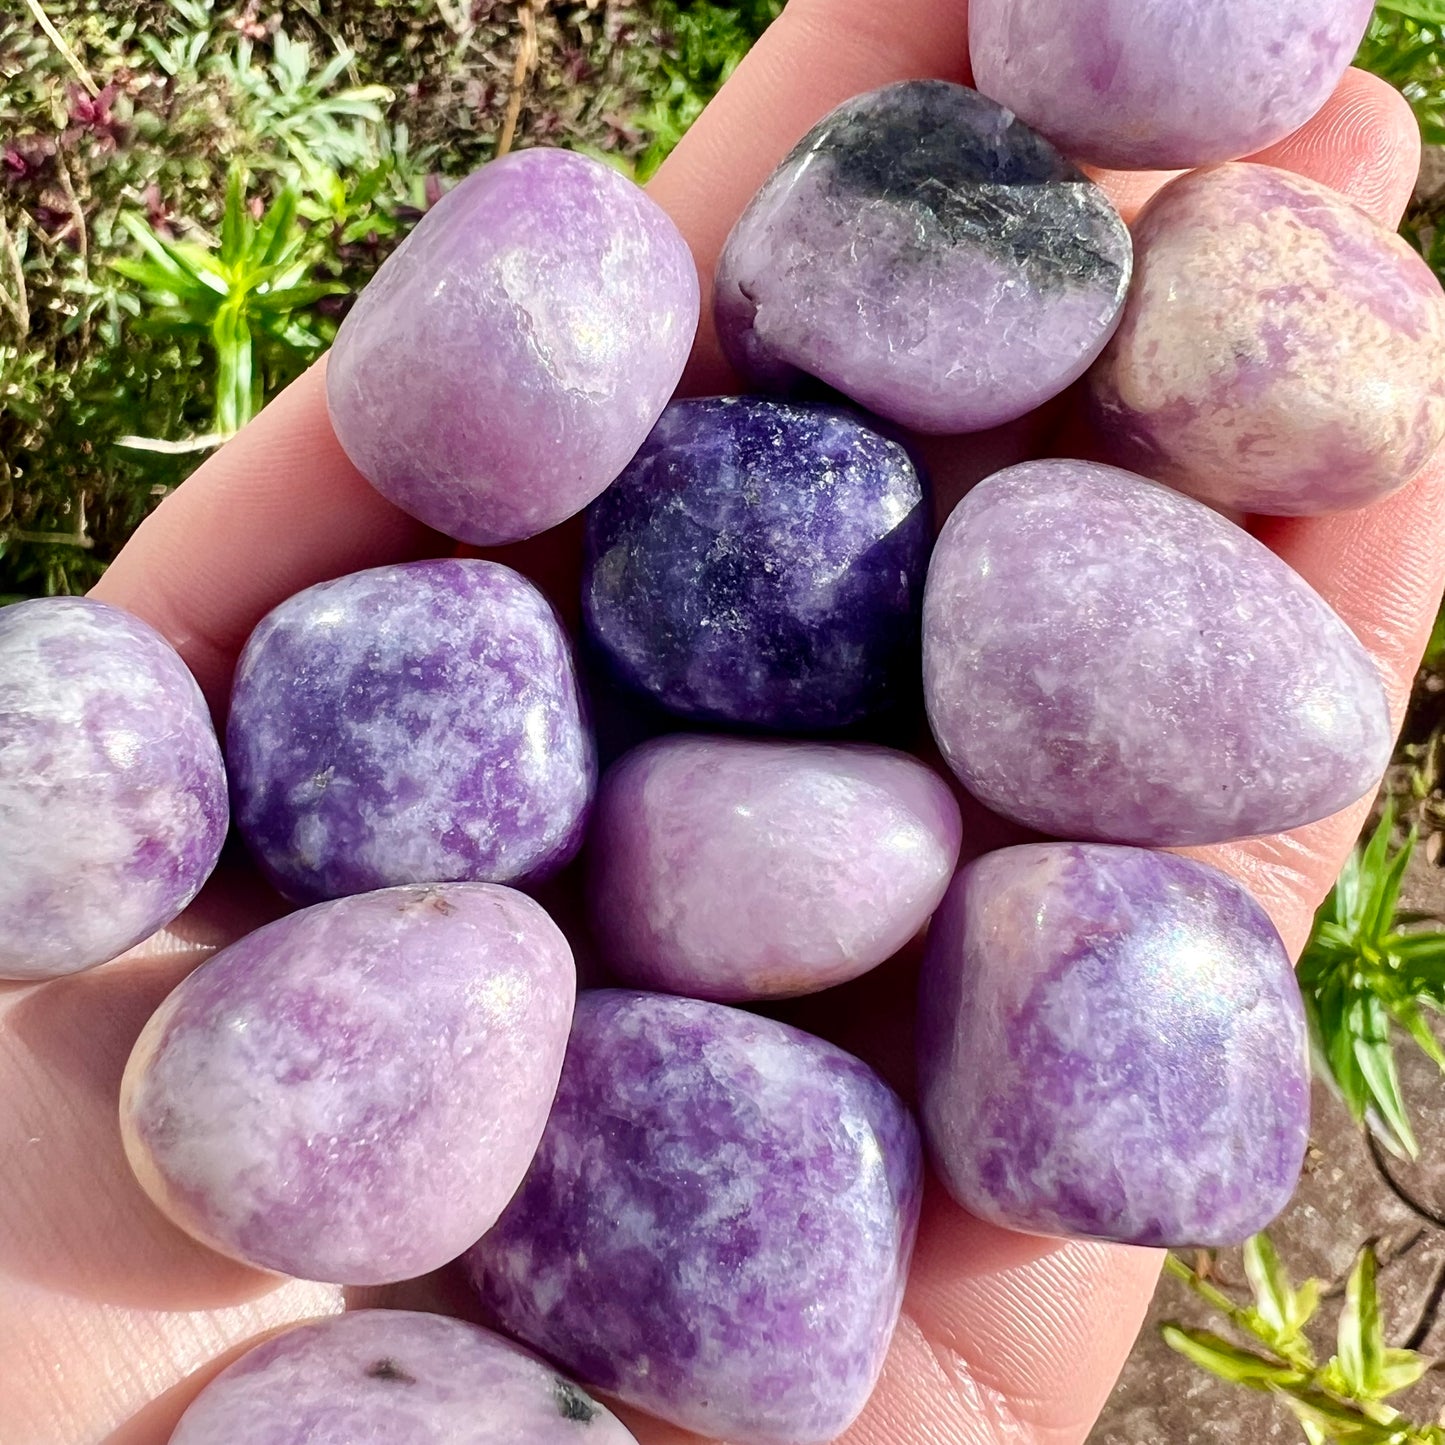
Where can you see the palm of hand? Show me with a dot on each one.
(111, 1319)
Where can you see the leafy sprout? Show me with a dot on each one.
(1344, 1399)
(1360, 973)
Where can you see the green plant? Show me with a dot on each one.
(707, 42)
(1405, 45)
(1342, 1400)
(1360, 972)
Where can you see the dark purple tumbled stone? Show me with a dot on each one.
(411, 724)
(762, 563)
(924, 252)
(1112, 1044)
(717, 1226)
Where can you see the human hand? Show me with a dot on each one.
(111, 1319)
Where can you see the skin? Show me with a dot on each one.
(110, 1320)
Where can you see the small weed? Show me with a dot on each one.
(1344, 1399)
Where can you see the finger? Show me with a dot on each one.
(1364, 143)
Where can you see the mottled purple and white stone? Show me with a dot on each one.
(1163, 84)
(112, 790)
(398, 1377)
(731, 869)
(924, 253)
(353, 1092)
(1106, 659)
(1112, 1044)
(718, 1224)
(418, 723)
(1322, 386)
(512, 354)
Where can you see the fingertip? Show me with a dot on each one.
(1365, 144)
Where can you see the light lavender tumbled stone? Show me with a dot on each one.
(733, 869)
(1163, 84)
(419, 723)
(510, 357)
(1112, 1044)
(926, 254)
(1322, 383)
(1106, 659)
(112, 790)
(718, 1223)
(353, 1093)
(397, 1377)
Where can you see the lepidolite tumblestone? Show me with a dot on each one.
(1106, 659)
(733, 869)
(1322, 383)
(513, 353)
(410, 724)
(1163, 84)
(398, 1377)
(1112, 1044)
(112, 790)
(353, 1092)
(761, 563)
(718, 1223)
(928, 255)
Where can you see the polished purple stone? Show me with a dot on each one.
(112, 791)
(412, 724)
(761, 563)
(1112, 1044)
(398, 1377)
(718, 1223)
(353, 1092)
(738, 868)
(1323, 383)
(513, 353)
(1104, 658)
(1143, 84)
(924, 253)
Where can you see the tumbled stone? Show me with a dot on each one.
(761, 563)
(1322, 385)
(1112, 1044)
(717, 1225)
(408, 1379)
(353, 1092)
(505, 363)
(112, 791)
(732, 869)
(418, 723)
(927, 255)
(1163, 84)
(1107, 659)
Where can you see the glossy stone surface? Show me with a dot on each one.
(112, 790)
(511, 356)
(353, 1092)
(761, 563)
(1112, 1044)
(927, 255)
(418, 723)
(1163, 84)
(718, 1224)
(1106, 659)
(407, 1379)
(1323, 383)
(733, 869)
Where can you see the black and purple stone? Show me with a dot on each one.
(925, 253)
(717, 1226)
(761, 564)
